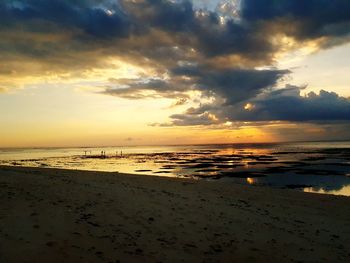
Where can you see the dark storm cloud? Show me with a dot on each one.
(284, 104)
(146, 88)
(188, 28)
(287, 104)
(190, 120)
(202, 30)
(181, 48)
(316, 18)
(92, 20)
(234, 85)
(172, 16)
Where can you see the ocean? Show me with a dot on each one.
(317, 167)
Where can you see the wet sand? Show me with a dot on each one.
(51, 215)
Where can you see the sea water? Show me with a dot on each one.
(319, 167)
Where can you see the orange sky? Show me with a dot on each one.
(89, 84)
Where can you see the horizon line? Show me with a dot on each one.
(153, 145)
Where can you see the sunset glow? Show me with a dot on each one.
(174, 131)
(171, 72)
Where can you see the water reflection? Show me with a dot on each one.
(345, 190)
(251, 180)
(305, 167)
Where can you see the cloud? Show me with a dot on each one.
(179, 102)
(91, 19)
(285, 104)
(205, 118)
(234, 85)
(142, 88)
(202, 31)
(312, 19)
(59, 34)
(178, 48)
(56, 39)
(288, 105)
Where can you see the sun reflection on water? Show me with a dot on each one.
(320, 170)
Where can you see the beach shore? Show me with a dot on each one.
(52, 215)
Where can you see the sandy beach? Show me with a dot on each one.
(51, 215)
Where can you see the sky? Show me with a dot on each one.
(152, 72)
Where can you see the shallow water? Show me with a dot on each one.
(322, 167)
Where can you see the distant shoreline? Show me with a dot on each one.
(171, 145)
